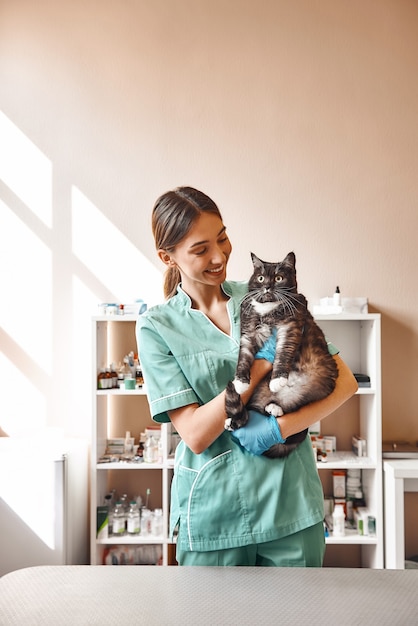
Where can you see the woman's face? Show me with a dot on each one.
(203, 254)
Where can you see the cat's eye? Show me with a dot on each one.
(278, 278)
(260, 279)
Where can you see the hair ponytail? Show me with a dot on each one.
(172, 279)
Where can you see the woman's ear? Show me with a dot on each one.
(166, 258)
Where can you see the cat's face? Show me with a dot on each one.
(270, 281)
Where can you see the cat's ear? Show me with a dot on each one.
(290, 259)
(256, 261)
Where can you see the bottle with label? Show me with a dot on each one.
(337, 296)
(101, 379)
(129, 443)
(133, 519)
(160, 450)
(338, 521)
(157, 523)
(109, 380)
(119, 520)
(114, 375)
(146, 521)
(150, 450)
(126, 370)
(109, 505)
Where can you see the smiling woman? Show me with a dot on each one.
(231, 504)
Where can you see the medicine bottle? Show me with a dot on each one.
(101, 379)
(133, 519)
(338, 521)
(114, 375)
(150, 450)
(119, 520)
(157, 523)
(146, 522)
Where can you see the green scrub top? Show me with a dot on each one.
(224, 497)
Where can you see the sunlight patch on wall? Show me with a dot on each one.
(84, 306)
(26, 289)
(26, 170)
(110, 256)
(32, 494)
(22, 405)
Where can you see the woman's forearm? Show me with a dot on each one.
(345, 387)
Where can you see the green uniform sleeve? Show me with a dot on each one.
(166, 385)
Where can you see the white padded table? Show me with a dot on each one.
(212, 596)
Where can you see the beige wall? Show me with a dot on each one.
(299, 118)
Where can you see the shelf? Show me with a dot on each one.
(136, 541)
(121, 392)
(345, 460)
(114, 318)
(351, 538)
(365, 391)
(346, 317)
(123, 465)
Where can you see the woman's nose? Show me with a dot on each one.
(218, 255)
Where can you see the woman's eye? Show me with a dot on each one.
(260, 279)
(278, 278)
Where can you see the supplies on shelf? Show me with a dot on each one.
(359, 445)
(126, 375)
(123, 449)
(121, 517)
(348, 494)
(133, 555)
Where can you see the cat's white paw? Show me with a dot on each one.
(274, 409)
(277, 383)
(240, 386)
(227, 424)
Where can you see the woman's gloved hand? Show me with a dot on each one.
(260, 433)
(268, 350)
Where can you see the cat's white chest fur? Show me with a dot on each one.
(263, 308)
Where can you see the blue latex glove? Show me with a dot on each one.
(268, 350)
(259, 434)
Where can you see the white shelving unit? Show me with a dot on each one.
(358, 338)
(116, 411)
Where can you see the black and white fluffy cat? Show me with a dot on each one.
(303, 370)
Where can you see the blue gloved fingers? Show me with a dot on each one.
(259, 434)
(268, 349)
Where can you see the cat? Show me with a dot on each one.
(303, 369)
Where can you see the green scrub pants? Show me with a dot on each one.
(303, 549)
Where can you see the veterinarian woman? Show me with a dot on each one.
(232, 506)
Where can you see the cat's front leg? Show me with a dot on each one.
(245, 360)
(234, 408)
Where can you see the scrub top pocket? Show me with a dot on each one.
(211, 500)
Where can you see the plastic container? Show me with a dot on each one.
(338, 521)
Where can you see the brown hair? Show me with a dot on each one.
(173, 215)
